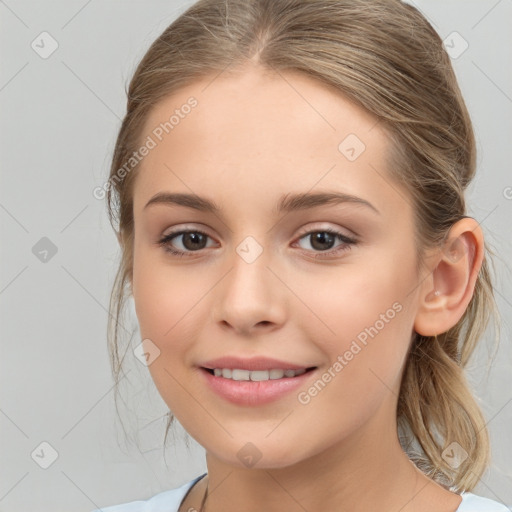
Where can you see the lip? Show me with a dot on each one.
(254, 393)
(253, 363)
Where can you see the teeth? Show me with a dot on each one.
(276, 374)
(256, 375)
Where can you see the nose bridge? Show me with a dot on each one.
(250, 292)
(249, 273)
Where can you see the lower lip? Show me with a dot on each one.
(253, 393)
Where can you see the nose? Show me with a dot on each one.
(251, 297)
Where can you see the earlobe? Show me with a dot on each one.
(130, 283)
(445, 295)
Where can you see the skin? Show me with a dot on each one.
(253, 137)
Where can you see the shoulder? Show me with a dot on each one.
(167, 501)
(473, 503)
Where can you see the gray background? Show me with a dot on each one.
(60, 116)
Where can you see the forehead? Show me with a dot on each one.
(257, 133)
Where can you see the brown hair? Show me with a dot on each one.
(387, 58)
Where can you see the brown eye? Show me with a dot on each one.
(191, 241)
(323, 240)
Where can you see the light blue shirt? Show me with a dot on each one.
(170, 501)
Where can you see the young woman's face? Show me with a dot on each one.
(257, 280)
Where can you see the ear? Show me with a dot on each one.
(130, 276)
(446, 293)
(129, 280)
(130, 283)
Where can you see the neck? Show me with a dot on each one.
(366, 471)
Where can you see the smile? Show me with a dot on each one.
(255, 387)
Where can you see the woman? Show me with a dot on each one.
(288, 192)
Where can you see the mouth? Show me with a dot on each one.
(254, 388)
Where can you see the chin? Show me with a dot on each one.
(261, 454)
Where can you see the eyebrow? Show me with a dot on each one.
(286, 204)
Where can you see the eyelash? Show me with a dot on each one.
(347, 242)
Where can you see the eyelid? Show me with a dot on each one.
(348, 233)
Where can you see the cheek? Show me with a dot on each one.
(158, 312)
(169, 313)
(364, 315)
(163, 295)
(365, 334)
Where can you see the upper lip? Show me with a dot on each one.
(253, 363)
